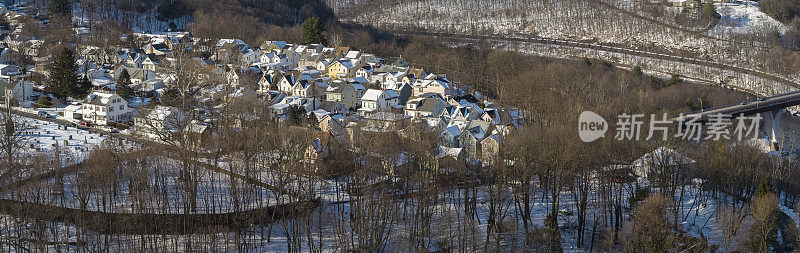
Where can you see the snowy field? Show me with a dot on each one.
(744, 19)
(43, 137)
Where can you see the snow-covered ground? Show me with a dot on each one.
(43, 137)
(793, 215)
(164, 190)
(331, 224)
(744, 19)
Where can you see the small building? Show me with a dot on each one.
(330, 124)
(424, 107)
(660, 160)
(20, 90)
(319, 147)
(9, 73)
(198, 133)
(157, 120)
(490, 146)
(472, 136)
(432, 84)
(351, 94)
(685, 3)
(343, 68)
(137, 74)
(449, 136)
(72, 112)
(102, 107)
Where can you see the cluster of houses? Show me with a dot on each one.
(341, 87)
(344, 89)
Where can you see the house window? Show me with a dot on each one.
(122, 107)
(111, 109)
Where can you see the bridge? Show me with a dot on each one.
(773, 106)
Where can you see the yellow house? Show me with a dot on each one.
(342, 69)
(270, 46)
(319, 147)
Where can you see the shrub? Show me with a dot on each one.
(45, 101)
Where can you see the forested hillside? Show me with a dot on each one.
(246, 19)
(738, 34)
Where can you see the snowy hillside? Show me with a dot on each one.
(631, 24)
(744, 19)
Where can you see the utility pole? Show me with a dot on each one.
(9, 127)
(8, 93)
(314, 96)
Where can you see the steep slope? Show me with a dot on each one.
(738, 38)
(245, 19)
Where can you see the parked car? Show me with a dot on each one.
(83, 123)
(43, 113)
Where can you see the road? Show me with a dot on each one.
(747, 108)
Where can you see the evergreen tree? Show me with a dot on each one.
(59, 8)
(295, 115)
(637, 70)
(171, 97)
(709, 11)
(64, 74)
(44, 101)
(764, 188)
(312, 31)
(123, 85)
(83, 87)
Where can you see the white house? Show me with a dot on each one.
(378, 100)
(292, 58)
(433, 84)
(148, 64)
(251, 57)
(20, 90)
(154, 121)
(314, 48)
(102, 107)
(424, 107)
(658, 161)
(73, 112)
